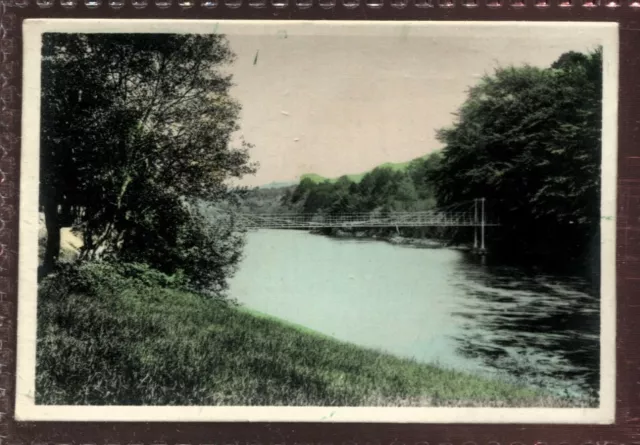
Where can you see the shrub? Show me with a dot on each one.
(98, 277)
(189, 240)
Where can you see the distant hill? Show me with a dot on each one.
(277, 185)
(357, 177)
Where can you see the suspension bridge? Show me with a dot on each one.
(474, 215)
(452, 216)
(362, 220)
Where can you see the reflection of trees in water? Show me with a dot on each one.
(541, 329)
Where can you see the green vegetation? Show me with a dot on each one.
(293, 198)
(389, 187)
(135, 136)
(406, 186)
(266, 200)
(357, 177)
(526, 139)
(125, 334)
(136, 147)
(529, 141)
(317, 179)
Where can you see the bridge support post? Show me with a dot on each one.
(475, 224)
(482, 223)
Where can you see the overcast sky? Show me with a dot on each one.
(337, 103)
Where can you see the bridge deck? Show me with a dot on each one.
(363, 220)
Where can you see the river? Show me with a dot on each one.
(440, 306)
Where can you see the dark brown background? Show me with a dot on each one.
(626, 430)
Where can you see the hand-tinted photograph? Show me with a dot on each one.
(307, 217)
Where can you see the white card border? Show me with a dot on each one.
(28, 235)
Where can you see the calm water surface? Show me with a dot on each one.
(434, 305)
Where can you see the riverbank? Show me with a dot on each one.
(584, 267)
(392, 238)
(126, 339)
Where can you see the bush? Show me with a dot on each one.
(208, 249)
(190, 240)
(149, 276)
(98, 277)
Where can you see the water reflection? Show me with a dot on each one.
(538, 328)
(438, 306)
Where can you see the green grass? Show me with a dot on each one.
(357, 177)
(120, 341)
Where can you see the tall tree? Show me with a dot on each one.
(528, 140)
(136, 129)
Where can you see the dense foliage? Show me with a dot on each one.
(383, 189)
(528, 140)
(136, 133)
(136, 147)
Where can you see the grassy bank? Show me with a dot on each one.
(104, 338)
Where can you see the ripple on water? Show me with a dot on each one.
(434, 305)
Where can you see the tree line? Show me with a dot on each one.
(527, 139)
(381, 190)
(136, 147)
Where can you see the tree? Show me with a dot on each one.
(528, 140)
(136, 132)
(422, 171)
(302, 190)
(405, 194)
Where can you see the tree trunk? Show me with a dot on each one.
(52, 223)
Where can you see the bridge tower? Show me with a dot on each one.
(475, 224)
(479, 222)
(483, 250)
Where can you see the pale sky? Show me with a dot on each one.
(335, 101)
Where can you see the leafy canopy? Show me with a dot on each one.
(529, 140)
(137, 131)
